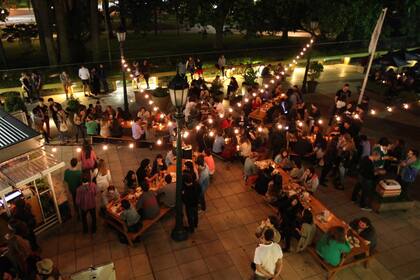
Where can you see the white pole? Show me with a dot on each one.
(372, 55)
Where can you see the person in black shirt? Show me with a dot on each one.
(363, 226)
(232, 87)
(366, 178)
(343, 93)
(190, 197)
(340, 101)
(158, 165)
(54, 107)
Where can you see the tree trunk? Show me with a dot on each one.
(3, 54)
(105, 7)
(43, 22)
(218, 43)
(122, 14)
(64, 49)
(285, 33)
(155, 20)
(94, 29)
(40, 31)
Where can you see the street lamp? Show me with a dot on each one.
(121, 34)
(178, 91)
(314, 26)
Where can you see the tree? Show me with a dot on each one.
(94, 29)
(4, 13)
(61, 12)
(42, 16)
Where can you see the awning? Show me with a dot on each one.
(27, 168)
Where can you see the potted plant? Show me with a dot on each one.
(14, 102)
(160, 97)
(314, 72)
(250, 77)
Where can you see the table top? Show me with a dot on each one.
(318, 210)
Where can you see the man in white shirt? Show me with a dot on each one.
(84, 75)
(268, 258)
(137, 130)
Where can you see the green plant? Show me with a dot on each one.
(73, 105)
(250, 76)
(13, 102)
(315, 70)
(160, 92)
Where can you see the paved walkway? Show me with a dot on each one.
(223, 246)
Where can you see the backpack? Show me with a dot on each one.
(409, 174)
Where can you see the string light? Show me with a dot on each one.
(356, 116)
(230, 110)
(105, 147)
(186, 133)
(265, 85)
(159, 142)
(131, 146)
(169, 123)
(78, 150)
(405, 106)
(389, 109)
(319, 121)
(338, 118)
(372, 112)
(198, 127)
(211, 133)
(210, 121)
(246, 100)
(54, 149)
(155, 108)
(272, 81)
(239, 104)
(236, 131)
(261, 90)
(221, 116)
(150, 102)
(260, 129)
(299, 123)
(278, 77)
(279, 126)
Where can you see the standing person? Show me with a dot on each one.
(84, 76)
(26, 85)
(268, 257)
(190, 197)
(366, 179)
(330, 157)
(86, 201)
(63, 125)
(73, 179)
(208, 158)
(232, 87)
(199, 67)
(145, 71)
(36, 84)
(95, 87)
(24, 214)
(87, 157)
(221, 64)
(181, 70)
(101, 176)
(54, 107)
(340, 101)
(190, 66)
(45, 112)
(79, 124)
(39, 122)
(409, 169)
(66, 82)
(203, 180)
(102, 78)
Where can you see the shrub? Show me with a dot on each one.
(250, 76)
(13, 102)
(73, 105)
(315, 70)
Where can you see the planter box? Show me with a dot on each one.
(381, 206)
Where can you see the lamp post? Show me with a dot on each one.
(121, 34)
(178, 91)
(314, 27)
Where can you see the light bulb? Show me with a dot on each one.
(236, 131)
(389, 109)
(159, 142)
(319, 121)
(210, 121)
(79, 150)
(373, 112)
(221, 116)
(131, 145)
(198, 127)
(230, 110)
(260, 129)
(279, 126)
(211, 133)
(246, 100)
(105, 147)
(54, 149)
(405, 106)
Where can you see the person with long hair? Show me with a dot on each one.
(130, 181)
(88, 157)
(101, 175)
(144, 176)
(332, 245)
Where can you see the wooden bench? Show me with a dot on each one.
(345, 263)
(114, 140)
(120, 225)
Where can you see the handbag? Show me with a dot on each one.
(340, 104)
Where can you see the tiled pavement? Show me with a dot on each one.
(223, 245)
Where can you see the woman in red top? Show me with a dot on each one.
(256, 103)
(87, 157)
(227, 122)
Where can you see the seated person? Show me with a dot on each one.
(167, 193)
(105, 128)
(110, 195)
(283, 160)
(250, 169)
(138, 132)
(365, 229)
(332, 245)
(218, 143)
(208, 158)
(266, 72)
(272, 223)
(232, 87)
(130, 216)
(274, 189)
(116, 129)
(302, 147)
(92, 126)
(170, 157)
(130, 181)
(144, 173)
(289, 210)
(309, 180)
(264, 178)
(159, 165)
(143, 114)
(298, 170)
(147, 205)
(306, 231)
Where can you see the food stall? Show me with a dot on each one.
(25, 172)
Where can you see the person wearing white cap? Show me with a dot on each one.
(47, 270)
